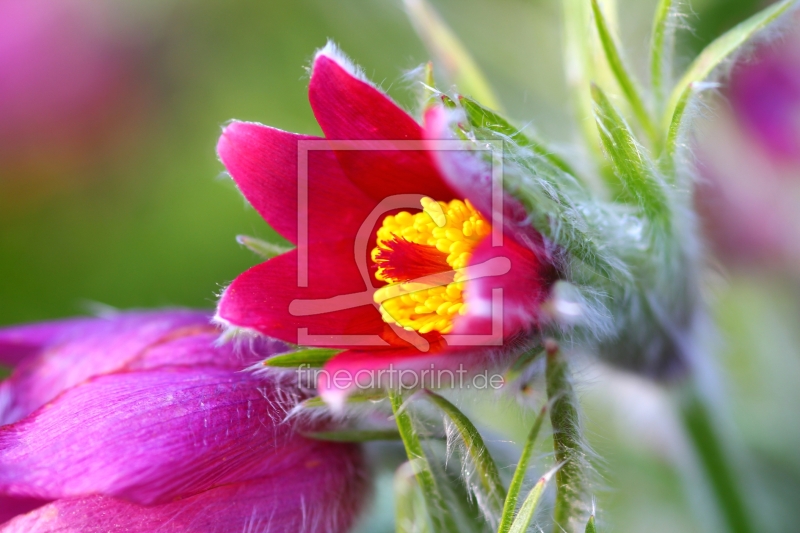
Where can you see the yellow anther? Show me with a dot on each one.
(448, 233)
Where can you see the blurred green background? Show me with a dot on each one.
(148, 221)
(144, 217)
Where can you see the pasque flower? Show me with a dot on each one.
(751, 160)
(142, 422)
(385, 282)
(66, 79)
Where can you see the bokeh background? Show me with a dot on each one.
(111, 193)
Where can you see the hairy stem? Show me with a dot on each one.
(570, 482)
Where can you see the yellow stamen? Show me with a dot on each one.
(449, 232)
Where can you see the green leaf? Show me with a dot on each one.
(528, 508)
(481, 117)
(579, 66)
(674, 130)
(701, 424)
(264, 249)
(570, 478)
(353, 399)
(514, 489)
(303, 357)
(714, 54)
(355, 435)
(629, 86)
(440, 517)
(448, 51)
(590, 525)
(493, 492)
(638, 183)
(659, 55)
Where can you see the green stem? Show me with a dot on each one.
(442, 521)
(624, 78)
(570, 481)
(510, 505)
(701, 429)
(658, 55)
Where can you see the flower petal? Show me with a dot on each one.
(267, 298)
(263, 162)
(323, 494)
(11, 506)
(17, 343)
(471, 178)
(151, 436)
(348, 108)
(76, 350)
(522, 289)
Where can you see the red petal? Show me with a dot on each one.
(523, 290)
(260, 298)
(348, 108)
(263, 162)
(471, 177)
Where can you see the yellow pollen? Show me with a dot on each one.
(448, 232)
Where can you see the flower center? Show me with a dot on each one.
(422, 258)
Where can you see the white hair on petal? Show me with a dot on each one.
(332, 51)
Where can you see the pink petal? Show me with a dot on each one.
(348, 108)
(263, 162)
(471, 178)
(262, 299)
(79, 349)
(20, 342)
(11, 506)
(322, 494)
(523, 290)
(527, 284)
(152, 436)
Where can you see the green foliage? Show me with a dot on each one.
(441, 518)
(629, 86)
(485, 119)
(571, 478)
(660, 47)
(355, 435)
(528, 508)
(590, 525)
(635, 179)
(302, 357)
(261, 248)
(713, 56)
(489, 490)
(514, 489)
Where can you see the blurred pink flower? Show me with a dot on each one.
(140, 421)
(66, 85)
(749, 155)
(765, 95)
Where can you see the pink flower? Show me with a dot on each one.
(67, 88)
(141, 422)
(355, 298)
(765, 94)
(750, 161)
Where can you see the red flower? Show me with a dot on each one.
(378, 318)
